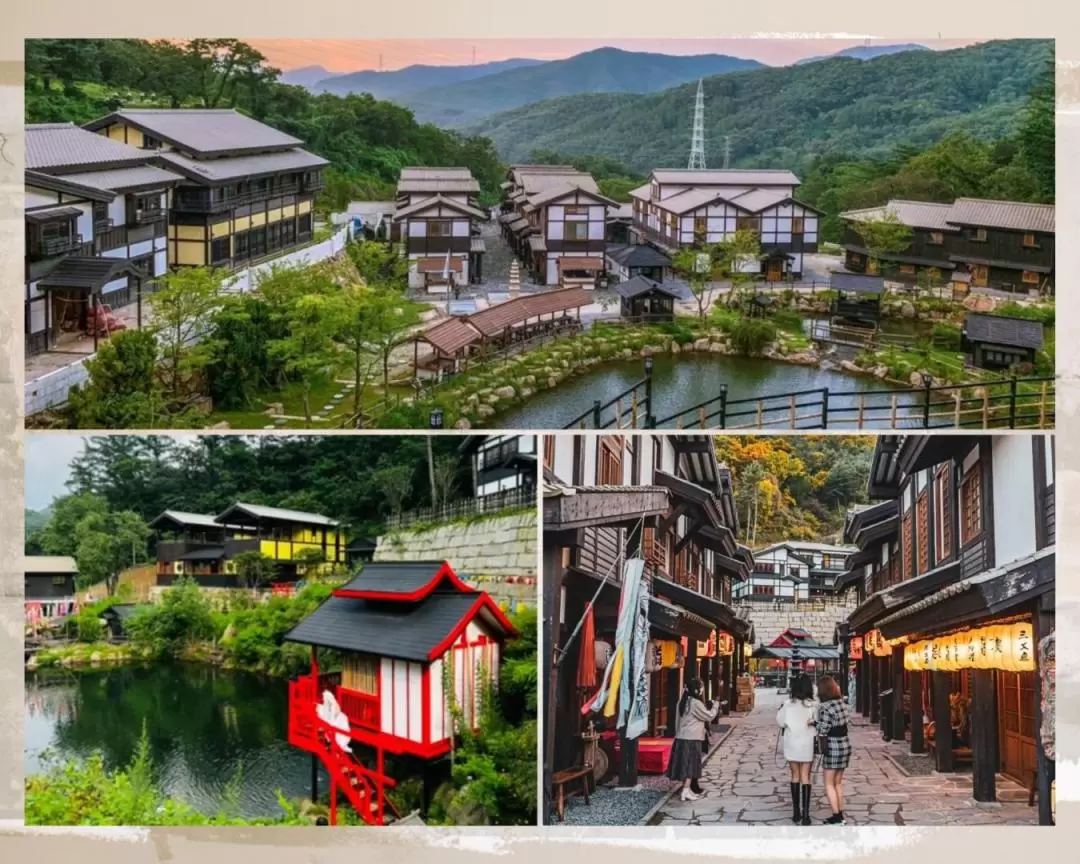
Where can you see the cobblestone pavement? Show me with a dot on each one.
(746, 782)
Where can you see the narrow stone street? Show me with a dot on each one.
(746, 783)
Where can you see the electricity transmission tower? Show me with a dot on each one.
(697, 142)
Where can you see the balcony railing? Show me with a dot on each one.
(57, 245)
(203, 203)
(148, 215)
(362, 709)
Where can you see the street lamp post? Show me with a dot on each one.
(648, 392)
(794, 666)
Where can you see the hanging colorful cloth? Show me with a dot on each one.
(637, 705)
(611, 686)
(586, 671)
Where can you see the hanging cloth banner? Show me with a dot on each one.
(612, 682)
(636, 706)
(586, 671)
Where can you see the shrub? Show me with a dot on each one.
(946, 336)
(750, 336)
(1044, 313)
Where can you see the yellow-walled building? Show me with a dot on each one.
(248, 190)
(205, 547)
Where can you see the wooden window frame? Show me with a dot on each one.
(971, 498)
(798, 225)
(578, 228)
(1029, 241)
(1033, 280)
(576, 210)
(922, 540)
(609, 451)
(435, 228)
(907, 268)
(907, 527)
(748, 223)
(978, 235)
(942, 515)
(937, 238)
(549, 451)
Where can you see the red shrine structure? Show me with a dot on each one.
(415, 641)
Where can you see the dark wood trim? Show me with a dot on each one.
(986, 455)
(875, 688)
(940, 687)
(1039, 482)
(898, 696)
(984, 735)
(918, 738)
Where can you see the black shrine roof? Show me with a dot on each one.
(859, 283)
(640, 285)
(1000, 330)
(407, 581)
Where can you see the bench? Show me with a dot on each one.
(561, 779)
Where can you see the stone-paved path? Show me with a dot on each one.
(746, 783)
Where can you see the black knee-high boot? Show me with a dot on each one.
(796, 813)
(805, 803)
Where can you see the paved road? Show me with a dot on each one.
(746, 783)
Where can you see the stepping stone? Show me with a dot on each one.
(271, 426)
(328, 407)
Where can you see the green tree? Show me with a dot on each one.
(737, 258)
(309, 350)
(121, 391)
(696, 266)
(183, 307)
(395, 483)
(1038, 136)
(389, 321)
(105, 545)
(58, 535)
(255, 569)
(360, 318)
(886, 235)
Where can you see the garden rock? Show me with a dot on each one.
(274, 408)
(505, 392)
(463, 423)
(907, 310)
(702, 345)
(849, 366)
(485, 411)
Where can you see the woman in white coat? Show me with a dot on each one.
(796, 718)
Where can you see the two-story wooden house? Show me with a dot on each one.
(205, 546)
(957, 590)
(682, 209)
(664, 500)
(794, 571)
(437, 218)
(555, 220)
(1006, 245)
(248, 190)
(503, 466)
(96, 213)
(49, 587)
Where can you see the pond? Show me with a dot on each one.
(679, 382)
(206, 727)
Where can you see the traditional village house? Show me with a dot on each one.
(248, 190)
(794, 571)
(642, 299)
(681, 209)
(998, 341)
(1005, 245)
(96, 217)
(49, 587)
(619, 220)
(957, 572)
(792, 651)
(624, 262)
(417, 646)
(437, 218)
(857, 300)
(606, 499)
(204, 547)
(555, 219)
(503, 468)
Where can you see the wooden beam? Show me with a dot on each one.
(553, 576)
(898, 695)
(940, 686)
(691, 531)
(984, 735)
(671, 518)
(875, 687)
(918, 739)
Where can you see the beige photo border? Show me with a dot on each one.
(911, 20)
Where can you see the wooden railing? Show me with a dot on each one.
(362, 709)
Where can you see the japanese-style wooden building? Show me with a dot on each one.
(555, 220)
(624, 262)
(49, 587)
(247, 190)
(955, 578)
(501, 464)
(1006, 245)
(998, 341)
(680, 209)
(858, 298)
(415, 643)
(794, 572)
(453, 341)
(96, 214)
(437, 219)
(643, 299)
(205, 547)
(608, 499)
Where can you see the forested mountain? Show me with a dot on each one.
(305, 76)
(784, 117)
(795, 487)
(398, 82)
(605, 70)
(367, 141)
(866, 52)
(344, 478)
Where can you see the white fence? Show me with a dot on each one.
(51, 389)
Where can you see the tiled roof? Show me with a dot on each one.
(49, 564)
(494, 319)
(62, 184)
(539, 182)
(65, 145)
(226, 168)
(182, 517)
(397, 577)
(279, 513)
(118, 179)
(638, 255)
(726, 177)
(999, 330)
(450, 336)
(641, 285)
(858, 282)
(91, 274)
(434, 200)
(914, 214)
(757, 200)
(202, 130)
(1003, 214)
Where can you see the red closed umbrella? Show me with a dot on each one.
(586, 667)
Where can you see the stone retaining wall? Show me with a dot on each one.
(819, 619)
(498, 555)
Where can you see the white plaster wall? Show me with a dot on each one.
(1014, 498)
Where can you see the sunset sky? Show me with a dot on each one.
(349, 55)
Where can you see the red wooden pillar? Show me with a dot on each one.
(380, 792)
(333, 798)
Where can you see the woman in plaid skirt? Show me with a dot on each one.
(832, 725)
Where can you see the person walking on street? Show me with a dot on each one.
(796, 718)
(833, 717)
(686, 754)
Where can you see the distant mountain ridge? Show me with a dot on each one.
(604, 70)
(305, 76)
(865, 52)
(388, 85)
(783, 116)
